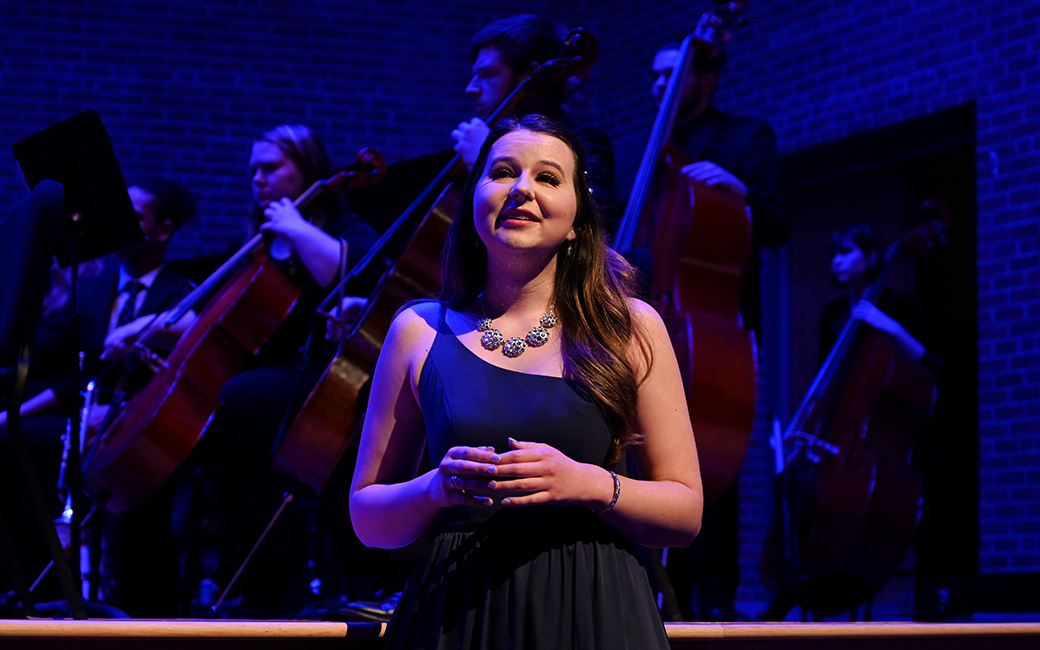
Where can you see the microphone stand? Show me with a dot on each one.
(74, 476)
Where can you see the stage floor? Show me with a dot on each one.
(199, 635)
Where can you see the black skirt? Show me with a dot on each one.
(529, 578)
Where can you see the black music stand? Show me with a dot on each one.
(78, 154)
(94, 219)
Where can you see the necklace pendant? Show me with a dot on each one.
(492, 339)
(514, 347)
(537, 337)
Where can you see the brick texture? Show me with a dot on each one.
(183, 88)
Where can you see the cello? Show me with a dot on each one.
(160, 425)
(852, 499)
(326, 424)
(700, 240)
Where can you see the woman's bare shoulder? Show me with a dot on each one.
(644, 315)
(416, 321)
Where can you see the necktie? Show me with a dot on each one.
(126, 314)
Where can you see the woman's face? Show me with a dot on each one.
(274, 174)
(525, 196)
(849, 264)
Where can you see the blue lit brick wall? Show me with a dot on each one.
(183, 87)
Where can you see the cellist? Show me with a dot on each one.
(856, 255)
(310, 251)
(854, 392)
(506, 51)
(737, 154)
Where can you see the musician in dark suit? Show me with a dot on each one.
(737, 154)
(113, 309)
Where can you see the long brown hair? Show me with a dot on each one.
(591, 288)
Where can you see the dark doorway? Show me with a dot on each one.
(881, 178)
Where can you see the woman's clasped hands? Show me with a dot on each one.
(530, 473)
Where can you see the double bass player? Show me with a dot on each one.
(736, 154)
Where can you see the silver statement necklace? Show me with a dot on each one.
(515, 346)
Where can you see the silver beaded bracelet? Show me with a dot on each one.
(617, 493)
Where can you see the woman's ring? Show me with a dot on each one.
(454, 478)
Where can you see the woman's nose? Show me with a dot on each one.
(521, 189)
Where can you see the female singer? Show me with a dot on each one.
(530, 516)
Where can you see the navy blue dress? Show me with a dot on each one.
(534, 577)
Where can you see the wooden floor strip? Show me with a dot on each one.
(305, 635)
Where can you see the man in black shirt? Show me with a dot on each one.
(737, 154)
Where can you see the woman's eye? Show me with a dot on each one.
(500, 172)
(551, 179)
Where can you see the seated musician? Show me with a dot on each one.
(737, 154)
(309, 249)
(118, 303)
(856, 258)
(114, 306)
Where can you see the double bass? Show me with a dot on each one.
(853, 501)
(160, 425)
(326, 424)
(700, 241)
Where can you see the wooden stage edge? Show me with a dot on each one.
(193, 634)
